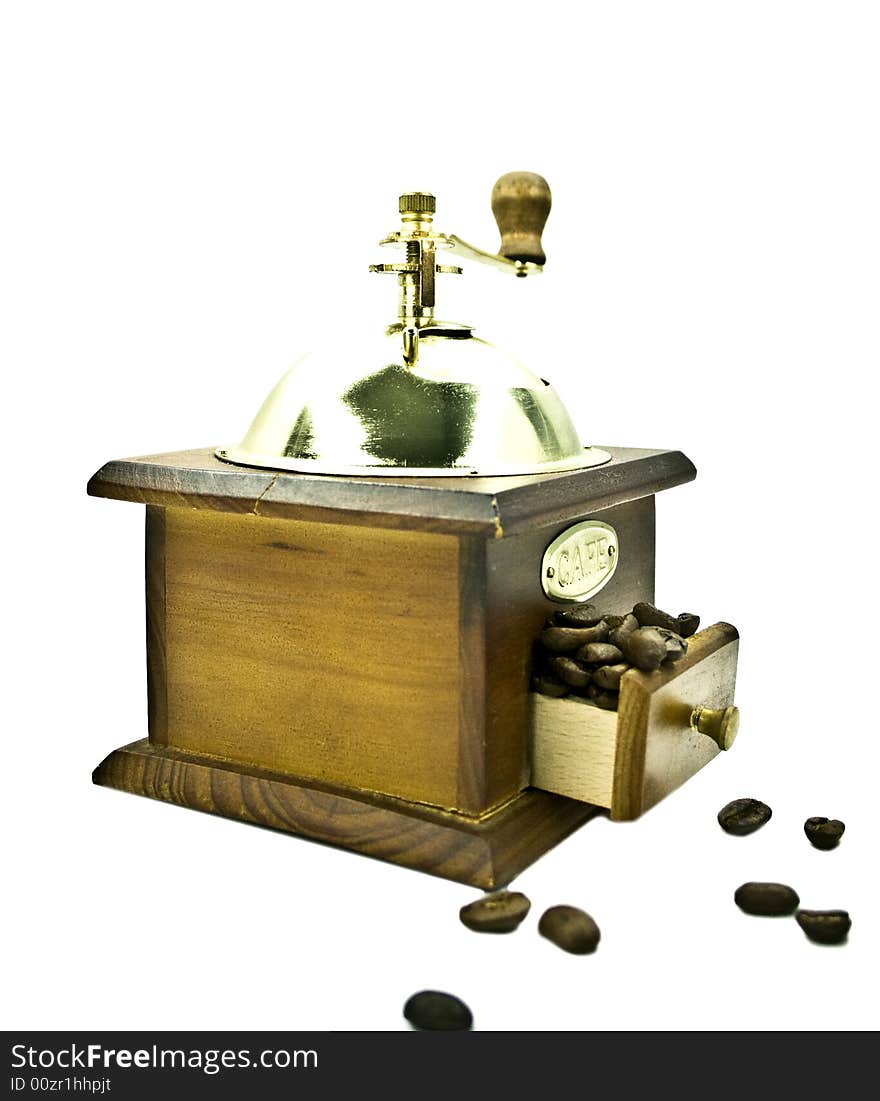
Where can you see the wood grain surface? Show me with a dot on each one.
(494, 507)
(392, 661)
(323, 651)
(657, 751)
(157, 677)
(573, 748)
(475, 791)
(484, 852)
(516, 610)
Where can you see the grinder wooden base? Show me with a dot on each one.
(348, 658)
(485, 852)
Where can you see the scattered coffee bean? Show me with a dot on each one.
(824, 926)
(766, 899)
(565, 639)
(614, 621)
(608, 676)
(649, 616)
(432, 1010)
(570, 929)
(548, 685)
(823, 833)
(578, 615)
(687, 624)
(568, 671)
(599, 653)
(501, 912)
(743, 816)
(645, 649)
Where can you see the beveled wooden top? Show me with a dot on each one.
(494, 507)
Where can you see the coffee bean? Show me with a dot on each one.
(597, 633)
(548, 685)
(578, 615)
(614, 621)
(824, 926)
(687, 624)
(565, 639)
(432, 1010)
(645, 649)
(568, 671)
(608, 676)
(501, 912)
(823, 833)
(600, 697)
(607, 700)
(599, 653)
(766, 899)
(676, 647)
(743, 816)
(619, 635)
(649, 616)
(570, 929)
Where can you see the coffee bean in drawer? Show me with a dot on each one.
(569, 672)
(599, 653)
(646, 649)
(578, 615)
(562, 640)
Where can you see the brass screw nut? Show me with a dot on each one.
(417, 202)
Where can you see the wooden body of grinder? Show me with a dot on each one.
(347, 656)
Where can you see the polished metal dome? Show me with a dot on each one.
(424, 397)
(464, 408)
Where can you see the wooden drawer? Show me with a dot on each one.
(669, 725)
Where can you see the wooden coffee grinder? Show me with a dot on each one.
(341, 610)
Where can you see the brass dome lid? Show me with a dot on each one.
(464, 408)
(424, 398)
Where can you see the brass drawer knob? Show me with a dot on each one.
(720, 724)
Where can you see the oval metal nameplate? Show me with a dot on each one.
(580, 562)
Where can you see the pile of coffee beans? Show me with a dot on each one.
(744, 816)
(583, 652)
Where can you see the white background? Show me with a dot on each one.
(191, 193)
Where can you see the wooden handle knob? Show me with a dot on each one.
(521, 203)
(720, 724)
